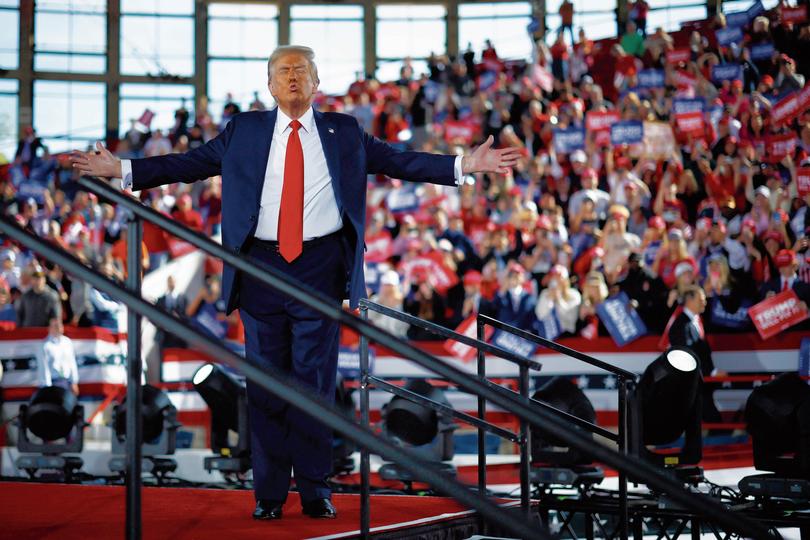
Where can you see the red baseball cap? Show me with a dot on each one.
(473, 277)
(772, 235)
(785, 257)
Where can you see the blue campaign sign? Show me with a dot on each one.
(626, 132)
(756, 9)
(373, 274)
(622, 321)
(651, 78)
(727, 36)
(804, 358)
(569, 140)
(403, 200)
(513, 344)
(721, 317)
(726, 72)
(549, 326)
(687, 105)
(533, 26)
(762, 51)
(737, 19)
(29, 189)
(349, 361)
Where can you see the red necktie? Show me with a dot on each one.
(700, 327)
(291, 213)
(785, 285)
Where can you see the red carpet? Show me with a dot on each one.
(66, 512)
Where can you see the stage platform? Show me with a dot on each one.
(66, 512)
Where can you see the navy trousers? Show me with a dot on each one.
(285, 335)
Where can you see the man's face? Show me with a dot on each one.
(698, 303)
(291, 82)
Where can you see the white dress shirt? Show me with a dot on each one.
(56, 360)
(321, 213)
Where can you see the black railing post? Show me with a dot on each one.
(525, 446)
(482, 413)
(365, 464)
(623, 448)
(134, 390)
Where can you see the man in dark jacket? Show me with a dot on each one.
(38, 305)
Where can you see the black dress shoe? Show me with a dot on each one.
(320, 508)
(267, 509)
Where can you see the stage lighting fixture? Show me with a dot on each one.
(778, 418)
(53, 415)
(428, 433)
(159, 420)
(226, 396)
(343, 447)
(667, 404)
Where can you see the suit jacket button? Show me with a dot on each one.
(236, 249)
(253, 218)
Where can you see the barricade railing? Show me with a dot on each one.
(543, 420)
(523, 439)
(625, 382)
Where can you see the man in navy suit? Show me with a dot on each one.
(294, 197)
(514, 305)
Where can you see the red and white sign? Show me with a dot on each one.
(777, 313)
(794, 15)
(543, 78)
(441, 276)
(785, 109)
(803, 181)
(379, 247)
(598, 123)
(459, 131)
(690, 122)
(676, 56)
(469, 328)
(779, 146)
(685, 79)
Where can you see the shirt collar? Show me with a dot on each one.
(283, 121)
(692, 316)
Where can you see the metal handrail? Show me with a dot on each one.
(541, 419)
(626, 380)
(451, 334)
(495, 323)
(274, 382)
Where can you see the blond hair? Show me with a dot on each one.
(306, 52)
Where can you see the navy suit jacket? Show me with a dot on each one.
(523, 317)
(240, 154)
(683, 333)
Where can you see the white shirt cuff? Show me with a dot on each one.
(126, 174)
(457, 172)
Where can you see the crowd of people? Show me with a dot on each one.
(724, 209)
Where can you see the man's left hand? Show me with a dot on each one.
(487, 159)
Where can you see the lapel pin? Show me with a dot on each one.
(331, 130)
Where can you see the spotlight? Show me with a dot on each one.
(553, 462)
(666, 405)
(226, 396)
(53, 414)
(778, 418)
(159, 420)
(430, 434)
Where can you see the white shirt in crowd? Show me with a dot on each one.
(321, 214)
(57, 360)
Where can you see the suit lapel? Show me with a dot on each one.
(327, 131)
(265, 135)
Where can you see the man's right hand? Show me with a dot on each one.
(100, 163)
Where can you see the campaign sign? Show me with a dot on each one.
(804, 358)
(459, 131)
(676, 56)
(622, 321)
(785, 109)
(349, 361)
(687, 105)
(756, 9)
(737, 19)
(543, 78)
(659, 142)
(794, 15)
(627, 132)
(549, 326)
(685, 80)
(651, 78)
(379, 247)
(726, 72)
(403, 200)
(779, 146)
(34, 190)
(373, 274)
(727, 36)
(514, 344)
(762, 51)
(690, 122)
(803, 181)
(441, 276)
(721, 317)
(469, 328)
(777, 313)
(568, 140)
